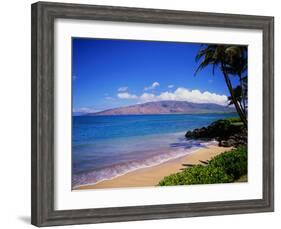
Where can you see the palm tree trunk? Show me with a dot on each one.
(240, 105)
(235, 102)
(242, 93)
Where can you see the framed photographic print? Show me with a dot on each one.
(144, 114)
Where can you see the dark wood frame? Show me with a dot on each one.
(43, 17)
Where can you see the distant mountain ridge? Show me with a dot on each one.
(166, 107)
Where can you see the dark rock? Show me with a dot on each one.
(221, 129)
(198, 133)
(235, 140)
(227, 143)
(227, 133)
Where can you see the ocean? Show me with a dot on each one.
(104, 147)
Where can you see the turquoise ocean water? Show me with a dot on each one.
(104, 147)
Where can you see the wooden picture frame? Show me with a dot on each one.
(43, 16)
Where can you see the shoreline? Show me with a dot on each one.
(150, 176)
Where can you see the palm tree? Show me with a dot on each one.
(238, 65)
(218, 56)
(238, 95)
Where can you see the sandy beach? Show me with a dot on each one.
(152, 175)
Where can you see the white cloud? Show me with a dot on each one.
(183, 94)
(122, 89)
(197, 96)
(152, 86)
(180, 94)
(171, 86)
(126, 95)
(147, 97)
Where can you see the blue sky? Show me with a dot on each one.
(112, 73)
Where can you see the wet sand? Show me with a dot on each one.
(152, 175)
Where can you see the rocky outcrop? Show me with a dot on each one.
(235, 140)
(224, 131)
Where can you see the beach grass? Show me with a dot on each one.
(224, 168)
(236, 121)
(233, 119)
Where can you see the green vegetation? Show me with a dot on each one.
(233, 162)
(235, 121)
(224, 168)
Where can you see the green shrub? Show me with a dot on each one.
(234, 119)
(240, 124)
(197, 175)
(234, 162)
(224, 168)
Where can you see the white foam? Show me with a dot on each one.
(108, 173)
